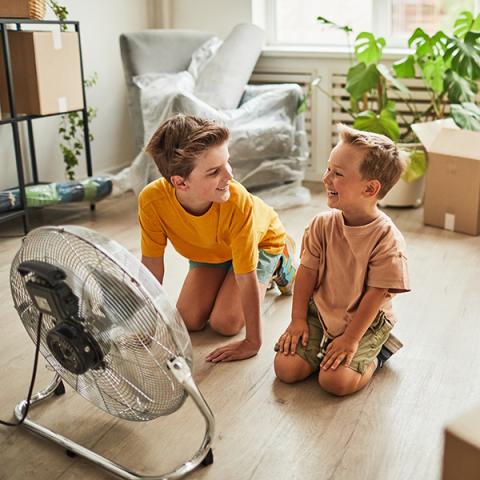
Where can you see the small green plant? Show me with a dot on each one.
(60, 12)
(72, 123)
(72, 133)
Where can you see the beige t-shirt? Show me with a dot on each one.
(348, 259)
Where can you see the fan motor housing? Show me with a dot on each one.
(74, 348)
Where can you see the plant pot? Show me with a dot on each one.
(403, 193)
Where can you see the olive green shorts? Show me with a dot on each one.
(267, 262)
(368, 348)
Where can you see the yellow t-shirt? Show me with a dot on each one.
(233, 230)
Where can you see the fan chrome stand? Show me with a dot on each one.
(183, 374)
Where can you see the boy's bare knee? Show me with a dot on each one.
(194, 323)
(226, 325)
(195, 327)
(288, 370)
(335, 384)
(282, 371)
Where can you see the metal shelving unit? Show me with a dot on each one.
(14, 119)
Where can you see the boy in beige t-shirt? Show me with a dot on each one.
(352, 264)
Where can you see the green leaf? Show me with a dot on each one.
(433, 72)
(329, 23)
(439, 43)
(368, 49)
(463, 24)
(361, 79)
(416, 166)
(302, 106)
(71, 130)
(476, 24)
(459, 89)
(426, 47)
(464, 55)
(421, 42)
(384, 123)
(467, 116)
(405, 68)
(385, 72)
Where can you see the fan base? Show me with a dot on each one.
(179, 367)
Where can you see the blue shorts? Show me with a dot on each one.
(266, 265)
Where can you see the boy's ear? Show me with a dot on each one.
(178, 182)
(372, 188)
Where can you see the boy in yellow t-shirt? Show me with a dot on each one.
(234, 241)
(352, 264)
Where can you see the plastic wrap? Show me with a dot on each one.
(268, 144)
(92, 189)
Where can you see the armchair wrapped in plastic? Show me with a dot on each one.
(175, 71)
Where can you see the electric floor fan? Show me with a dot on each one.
(105, 325)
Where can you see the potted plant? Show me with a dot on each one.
(71, 124)
(449, 66)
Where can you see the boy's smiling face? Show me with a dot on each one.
(208, 182)
(346, 189)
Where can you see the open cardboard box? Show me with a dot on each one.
(452, 190)
(461, 455)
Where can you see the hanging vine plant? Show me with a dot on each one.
(59, 11)
(72, 123)
(72, 133)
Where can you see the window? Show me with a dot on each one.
(294, 23)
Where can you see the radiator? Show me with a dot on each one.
(322, 113)
(420, 101)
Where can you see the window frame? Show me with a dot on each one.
(382, 11)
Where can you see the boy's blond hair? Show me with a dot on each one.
(179, 141)
(383, 160)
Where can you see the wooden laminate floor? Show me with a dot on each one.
(391, 430)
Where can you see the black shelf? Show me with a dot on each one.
(14, 119)
(22, 118)
(5, 216)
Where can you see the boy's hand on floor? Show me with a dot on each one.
(341, 350)
(288, 341)
(233, 351)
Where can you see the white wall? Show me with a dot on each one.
(101, 23)
(215, 16)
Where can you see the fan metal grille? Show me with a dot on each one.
(125, 309)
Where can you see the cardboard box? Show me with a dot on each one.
(461, 454)
(46, 72)
(452, 190)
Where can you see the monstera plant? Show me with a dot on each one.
(447, 64)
